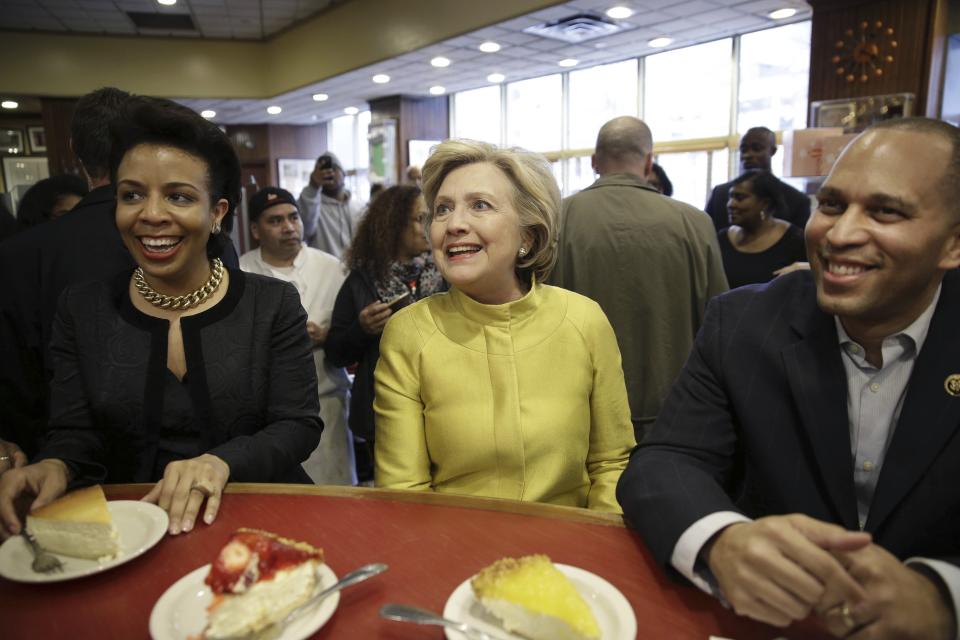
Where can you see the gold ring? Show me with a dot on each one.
(846, 616)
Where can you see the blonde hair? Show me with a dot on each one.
(536, 195)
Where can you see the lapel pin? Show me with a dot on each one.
(952, 384)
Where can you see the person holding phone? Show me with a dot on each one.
(329, 211)
(390, 268)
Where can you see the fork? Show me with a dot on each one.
(43, 562)
(406, 613)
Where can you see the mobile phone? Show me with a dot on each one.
(326, 163)
(395, 302)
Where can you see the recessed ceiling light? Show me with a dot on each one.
(619, 13)
(782, 14)
(167, 3)
(9, 104)
(440, 61)
(314, 117)
(274, 110)
(437, 90)
(569, 62)
(208, 113)
(351, 111)
(496, 78)
(320, 97)
(656, 43)
(381, 78)
(489, 47)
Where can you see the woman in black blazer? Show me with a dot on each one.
(182, 373)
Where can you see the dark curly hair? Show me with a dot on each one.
(163, 122)
(765, 186)
(377, 242)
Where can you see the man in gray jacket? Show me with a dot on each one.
(651, 262)
(329, 212)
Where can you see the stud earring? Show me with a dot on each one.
(523, 251)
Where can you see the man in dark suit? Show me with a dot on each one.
(832, 395)
(757, 146)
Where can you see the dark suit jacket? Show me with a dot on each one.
(250, 376)
(797, 203)
(35, 267)
(757, 423)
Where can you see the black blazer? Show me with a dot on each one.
(250, 375)
(757, 423)
(797, 203)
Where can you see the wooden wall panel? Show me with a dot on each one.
(57, 114)
(298, 142)
(909, 71)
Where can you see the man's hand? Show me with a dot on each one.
(184, 487)
(11, 456)
(318, 333)
(373, 318)
(27, 488)
(900, 602)
(776, 569)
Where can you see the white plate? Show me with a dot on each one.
(140, 525)
(614, 614)
(181, 612)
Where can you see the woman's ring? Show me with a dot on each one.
(4, 458)
(846, 616)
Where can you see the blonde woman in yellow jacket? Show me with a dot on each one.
(502, 387)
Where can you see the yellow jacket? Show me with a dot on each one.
(524, 400)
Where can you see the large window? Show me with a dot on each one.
(598, 94)
(534, 113)
(476, 114)
(694, 173)
(687, 91)
(347, 137)
(774, 67)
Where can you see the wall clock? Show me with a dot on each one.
(863, 52)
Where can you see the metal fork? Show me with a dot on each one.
(43, 562)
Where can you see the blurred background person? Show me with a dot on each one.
(49, 199)
(758, 242)
(329, 212)
(413, 175)
(275, 224)
(8, 224)
(757, 147)
(658, 180)
(390, 267)
(504, 387)
(181, 373)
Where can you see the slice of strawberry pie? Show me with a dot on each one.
(257, 579)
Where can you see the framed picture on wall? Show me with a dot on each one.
(11, 142)
(20, 173)
(293, 175)
(38, 140)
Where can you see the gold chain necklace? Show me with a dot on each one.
(186, 301)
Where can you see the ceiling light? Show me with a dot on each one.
(496, 78)
(489, 47)
(619, 13)
(208, 113)
(9, 104)
(167, 3)
(568, 62)
(440, 61)
(437, 90)
(351, 111)
(781, 14)
(381, 78)
(656, 43)
(274, 110)
(320, 97)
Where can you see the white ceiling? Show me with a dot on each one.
(522, 55)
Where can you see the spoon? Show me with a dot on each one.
(406, 613)
(361, 574)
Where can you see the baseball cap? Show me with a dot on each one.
(334, 160)
(266, 198)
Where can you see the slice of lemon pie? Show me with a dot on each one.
(533, 598)
(77, 524)
(257, 579)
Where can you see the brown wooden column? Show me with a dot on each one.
(912, 45)
(417, 119)
(57, 115)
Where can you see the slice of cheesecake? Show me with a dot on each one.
(533, 598)
(257, 579)
(77, 524)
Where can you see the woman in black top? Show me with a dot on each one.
(181, 373)
(757, 243)
(390, 267)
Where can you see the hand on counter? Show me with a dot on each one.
(27, 488)
(185, 485)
